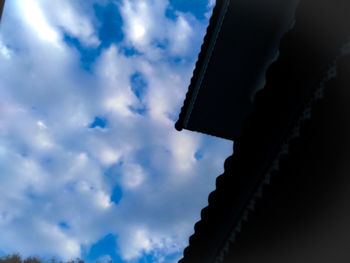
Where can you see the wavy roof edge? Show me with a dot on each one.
(209, 39)
(315, 64)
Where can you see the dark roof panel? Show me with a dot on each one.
(305, 191)
(2, 3)
(282, 110)
(241, 41)
(213, 27)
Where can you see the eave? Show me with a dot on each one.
(241, 42)
(207, 47)
(2, 4)
(292, 88)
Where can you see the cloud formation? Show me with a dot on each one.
(58, 172)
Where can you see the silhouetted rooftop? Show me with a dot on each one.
(2, 3)
(242, 40)
(294, 137)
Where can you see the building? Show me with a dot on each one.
(285, 192)
(2, 3)
(241, 42)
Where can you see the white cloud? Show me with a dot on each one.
(133, 176)
(183, 148)
(138, 243)
(211, 3)
(109, 156)
(5, 51)
(75, 23)
(210, 7)
(181, 35)
(41, 125)
(140, 18)
(35, 18)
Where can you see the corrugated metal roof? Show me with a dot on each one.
(293, 85)
(213, 30)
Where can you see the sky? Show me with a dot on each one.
(91, 165)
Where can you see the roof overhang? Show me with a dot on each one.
(284, 112)
(2, 3)
(242, 40)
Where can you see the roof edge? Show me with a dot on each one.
(207, 47)
(2, 4)
(298, 109)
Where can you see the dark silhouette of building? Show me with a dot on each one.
(285, 192)
(2, 3)
(241, 41)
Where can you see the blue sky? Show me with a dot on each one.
(90, 163)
